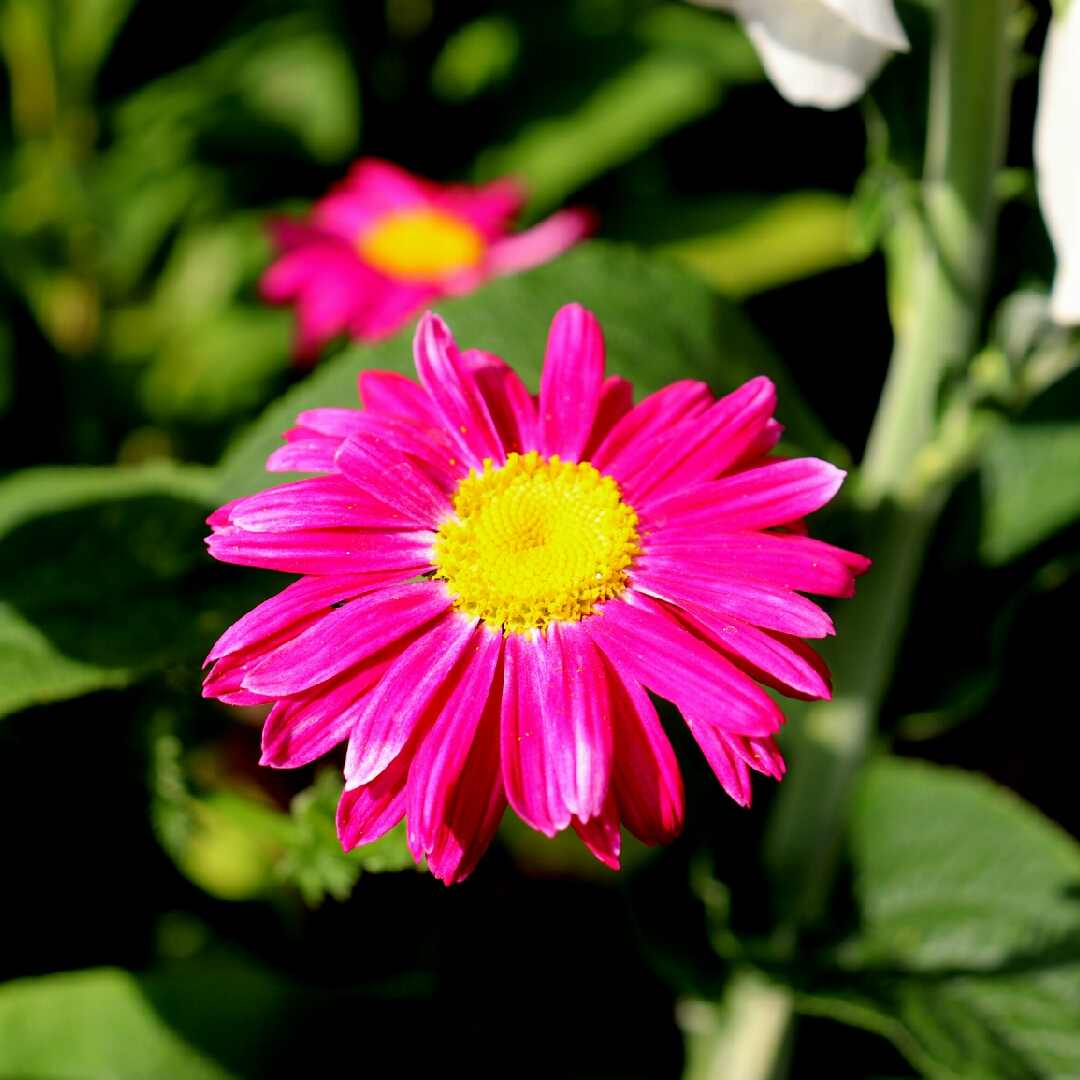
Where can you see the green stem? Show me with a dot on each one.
(941, 307)
(937, 324)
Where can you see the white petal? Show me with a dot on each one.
(819, 52)
(1057, 158)
(875, 19)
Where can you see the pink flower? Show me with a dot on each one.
(383, 243)
(493, 582)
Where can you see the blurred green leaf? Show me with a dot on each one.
(792, 237)
(661, 323)
(1031, 486)
(480, 55)
(120, 580)
(32, 493)
(91, 1025)
(34, 672)
(306, 83)
(953, 872)
(690, 58)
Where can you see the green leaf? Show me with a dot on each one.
(661, 323)
(692, 56)
(305, 82)
(91, 1025)
(121, 581)
(1031, 487)
(954, 872)
(792, 237)
(32, 493)
(475, 58)
(35, 672)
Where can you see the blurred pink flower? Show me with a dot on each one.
(383, 243)
(493, 582)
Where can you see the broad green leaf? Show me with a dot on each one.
(661, 323)
(34, 672)
(91, 1025)
(1031, 486)
(954, 872)
(792, 237)
(32, 493)
(125, 582)
(691, 58)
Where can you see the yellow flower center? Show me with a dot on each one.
(419, 245)
(535, 541)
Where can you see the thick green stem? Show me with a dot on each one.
(937, 323)
(938, 311)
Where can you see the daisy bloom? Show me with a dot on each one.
(820, 52)
(383, 243)
(494, 582)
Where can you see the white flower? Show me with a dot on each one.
(1057, 158)
(820, 52)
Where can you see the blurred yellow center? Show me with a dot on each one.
(535, 541)
(418, 245)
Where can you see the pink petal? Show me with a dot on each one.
(489, 209)
(730, 768)
(508, 400)
(309, 597)
(571, 382)
(616, 400)
(647, 645)
(327, 502)
(577, 736)
(386, 393)
(417, 680)
(324, 551)
(390, 308)
(645, 777)
(542, 242)
(677, 402)
(731, 757)
(528, 772)
(429, 446)
(372, 189)
(696, 450)
(303, 727)
(783, 662)
(392, 479)
(601, 835)
(750, 599)
(478, 804)
(336, 423)
(436, 771)
(304, 455)
(465, 414)
(366, 813)
(754, 499)
(793, 562)
(346, 636)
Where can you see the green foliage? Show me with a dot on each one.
(792, 237)
(688, 59)
(953, 872)
(480, 55)
(94, 1025)
(954, 875)
(34, 672)
(1031, 485)
(238, 848)
(660, 323)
